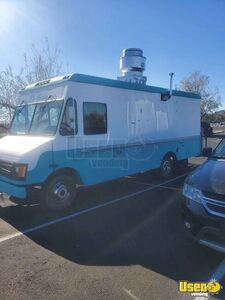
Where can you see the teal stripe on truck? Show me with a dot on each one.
(13, 190)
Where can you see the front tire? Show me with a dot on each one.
(59, 193)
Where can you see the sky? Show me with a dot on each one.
(178, 36)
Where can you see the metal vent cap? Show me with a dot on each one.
(132, 66)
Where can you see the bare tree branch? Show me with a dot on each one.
(199, 83)
(39, 64)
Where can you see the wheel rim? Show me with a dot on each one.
(167, 167)
(61, 192)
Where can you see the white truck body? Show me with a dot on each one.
(119, 129)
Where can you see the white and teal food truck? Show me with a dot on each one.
(83, 130)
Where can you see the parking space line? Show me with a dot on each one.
(138, 182)
(150, 184)
(129, 293)
(219, 272)
(171, 188)
(84, 211)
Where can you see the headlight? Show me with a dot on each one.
(19, 171)
(192, 193)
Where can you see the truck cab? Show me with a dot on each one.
(46, 116)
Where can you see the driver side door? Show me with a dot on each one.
(64, 144)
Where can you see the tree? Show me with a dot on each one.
(41, 65)
(10, 83)
(38, 65)
(199, 83)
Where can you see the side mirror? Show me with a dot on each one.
(207, 152)
(66, 130)
(63, 131)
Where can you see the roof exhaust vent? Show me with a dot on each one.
(132, 66)
(166, 96)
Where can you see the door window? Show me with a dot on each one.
(68, 125)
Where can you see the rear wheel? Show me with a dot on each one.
(167, 167)
(59, 193)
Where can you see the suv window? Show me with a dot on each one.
(95, 118)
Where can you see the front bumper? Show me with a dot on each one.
(13, 189)
(200, 225)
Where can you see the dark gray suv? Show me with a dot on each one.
(203, 207)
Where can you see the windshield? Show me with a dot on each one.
(37, 119)
(220, 150)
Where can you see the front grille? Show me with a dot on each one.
(6, 168)
(216, 208)
(215, 196)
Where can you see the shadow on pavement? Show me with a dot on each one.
(143, 230)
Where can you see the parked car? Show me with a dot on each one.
(203, 206)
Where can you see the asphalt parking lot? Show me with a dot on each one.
(122, 240)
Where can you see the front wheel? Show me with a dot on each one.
(167, 167)
(59, 193)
